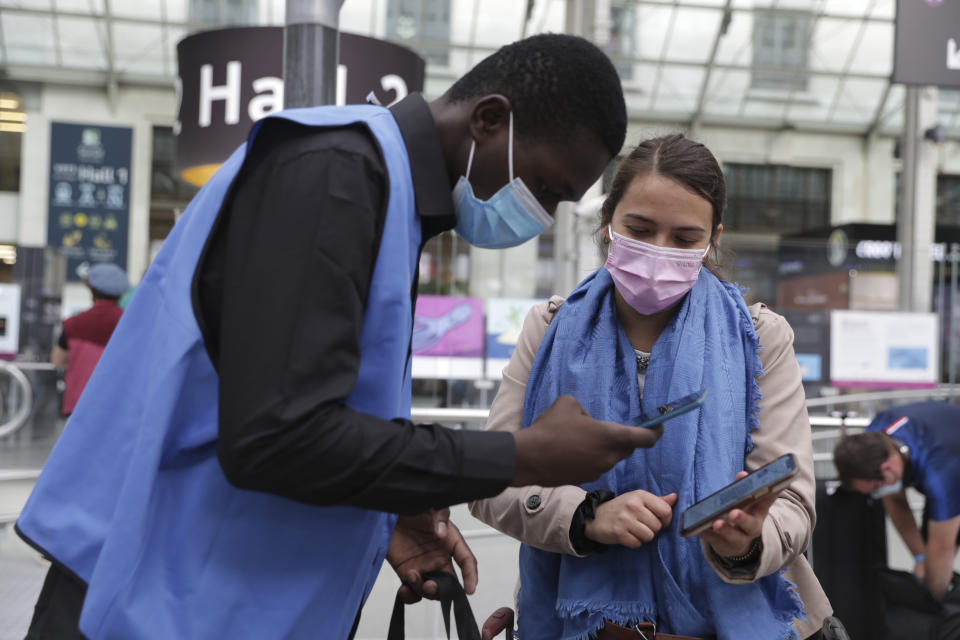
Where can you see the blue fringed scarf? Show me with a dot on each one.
(710, 343)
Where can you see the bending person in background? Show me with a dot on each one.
(85, 335)
(914, 445)
(649, 327)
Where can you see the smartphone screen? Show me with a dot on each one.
(672, 409)
(715, 505)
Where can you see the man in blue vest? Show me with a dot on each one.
(914, 445)
(236, 464)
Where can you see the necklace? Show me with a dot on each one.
(643, 359)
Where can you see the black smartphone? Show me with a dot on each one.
(672, 409)
(769, 478)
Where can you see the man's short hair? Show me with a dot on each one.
(558, 85)
(860, 456)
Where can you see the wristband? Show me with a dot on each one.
(919, 558)
(587, 511)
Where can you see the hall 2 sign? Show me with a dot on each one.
(269, 93)
(927, 43)
(230, 78)
(953, 54)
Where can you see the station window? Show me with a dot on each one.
(445, 266)
(169, 193)
(13, 122)
(10, 145)
(777, 198)
(546, 263)
(948, 200)
(780, 49)
(223, 12)
(621, 45)
(423, 25)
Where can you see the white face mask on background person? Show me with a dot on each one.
(509, 218)
(887, 489)
(651, 278)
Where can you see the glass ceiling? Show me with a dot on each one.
(816, 65)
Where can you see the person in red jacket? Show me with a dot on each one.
(85, 335)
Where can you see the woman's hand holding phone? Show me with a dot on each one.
(733, 534)
(631, 519)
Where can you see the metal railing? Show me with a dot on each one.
(22, 410)
(22, 405)
(826, 428)
(943, 392)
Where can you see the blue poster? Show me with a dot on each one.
(907, 358)
(89, 205)
(811, 366)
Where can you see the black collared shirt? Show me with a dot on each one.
(281, 292)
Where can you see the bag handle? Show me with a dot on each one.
(449, 591)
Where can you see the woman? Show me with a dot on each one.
(649, 327)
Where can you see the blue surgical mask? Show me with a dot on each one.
(509, 218)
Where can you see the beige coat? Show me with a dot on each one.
(785, 428)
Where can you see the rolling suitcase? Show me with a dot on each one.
(849, 546)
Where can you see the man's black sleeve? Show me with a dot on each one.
(302, 229)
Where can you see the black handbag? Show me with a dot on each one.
(947, 626)
(911, 611)
(449, 591)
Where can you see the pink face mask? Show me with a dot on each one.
(651, 278)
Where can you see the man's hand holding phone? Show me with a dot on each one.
(564, 445)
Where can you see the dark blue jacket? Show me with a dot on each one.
(932, 431)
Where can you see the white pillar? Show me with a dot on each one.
(917, 219)
(138, 223)
(565, 249)
(34, 181)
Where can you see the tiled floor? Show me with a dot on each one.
(21, 576)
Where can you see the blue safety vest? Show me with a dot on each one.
(133, 499)
(932, 431)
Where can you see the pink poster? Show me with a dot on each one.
(448, 326)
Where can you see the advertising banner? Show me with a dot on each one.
(926, 47)
(447, 338)
(230, 78)
(504, 321)
(89, 202)
(882, 349)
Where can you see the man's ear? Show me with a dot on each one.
(490, 117)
